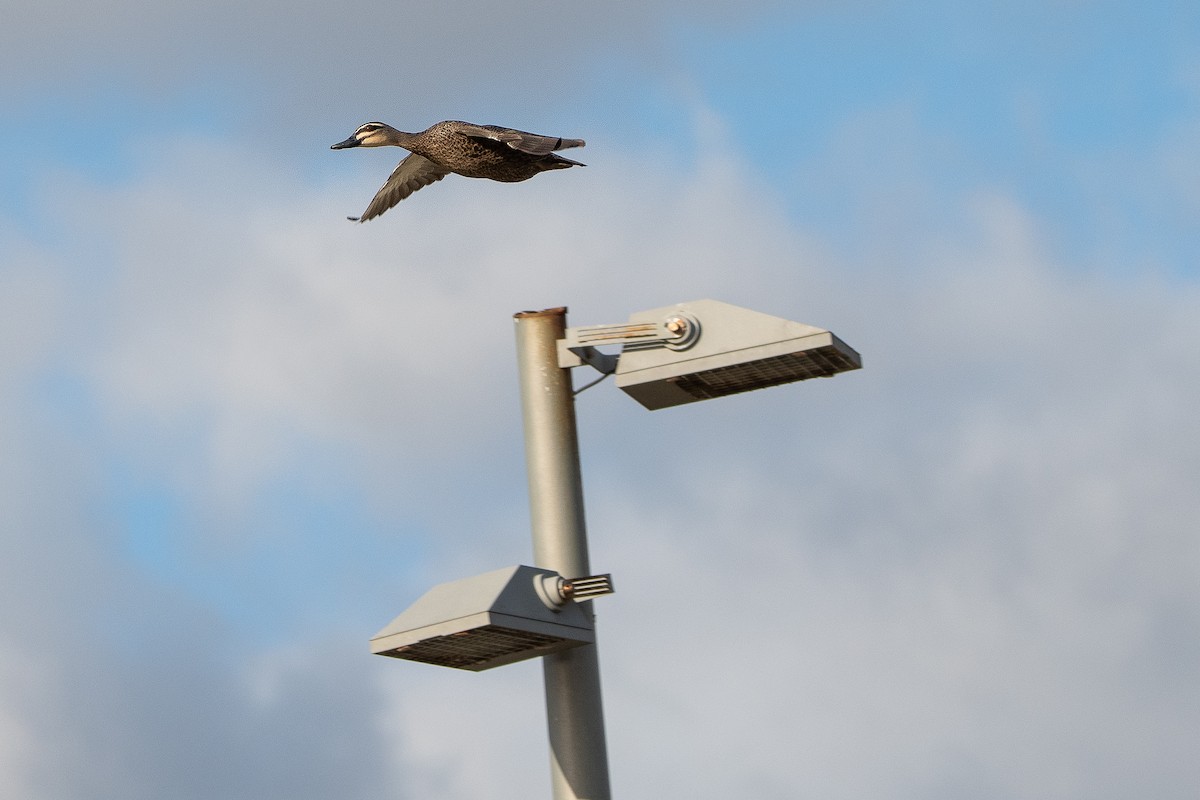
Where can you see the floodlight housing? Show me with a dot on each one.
(493, 619)
(717, 349)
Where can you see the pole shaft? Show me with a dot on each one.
(574, 711)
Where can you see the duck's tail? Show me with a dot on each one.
(555, 161)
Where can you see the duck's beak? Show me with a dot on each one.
(351, 142)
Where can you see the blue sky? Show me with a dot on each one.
(241, 434)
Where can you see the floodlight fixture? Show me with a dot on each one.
(490, 620)
(705, 349)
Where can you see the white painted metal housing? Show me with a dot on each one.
(486, 621)
(736, 350)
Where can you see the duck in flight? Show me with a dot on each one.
(475, 151)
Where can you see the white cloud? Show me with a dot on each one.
(967, 570)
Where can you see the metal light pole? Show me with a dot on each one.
(574, 711)
(669, 356)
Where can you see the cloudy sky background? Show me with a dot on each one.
(239, 434)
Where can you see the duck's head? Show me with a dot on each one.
(369, 134)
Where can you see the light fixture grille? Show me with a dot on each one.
(469, 649)
(820, 362)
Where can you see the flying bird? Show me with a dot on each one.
(475, 151)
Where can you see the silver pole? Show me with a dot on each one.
(574, 712)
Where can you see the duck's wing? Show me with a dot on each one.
(413, 173)
(534, 144)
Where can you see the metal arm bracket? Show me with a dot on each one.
(556, 591)
(578, 345)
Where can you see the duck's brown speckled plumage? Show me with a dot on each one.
(474, 151)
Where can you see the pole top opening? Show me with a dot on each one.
(560, 311)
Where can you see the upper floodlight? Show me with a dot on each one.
(704, 349)
(493, 619)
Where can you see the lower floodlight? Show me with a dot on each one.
(719, 349)
(490, 620)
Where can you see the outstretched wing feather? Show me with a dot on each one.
(413, 173)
